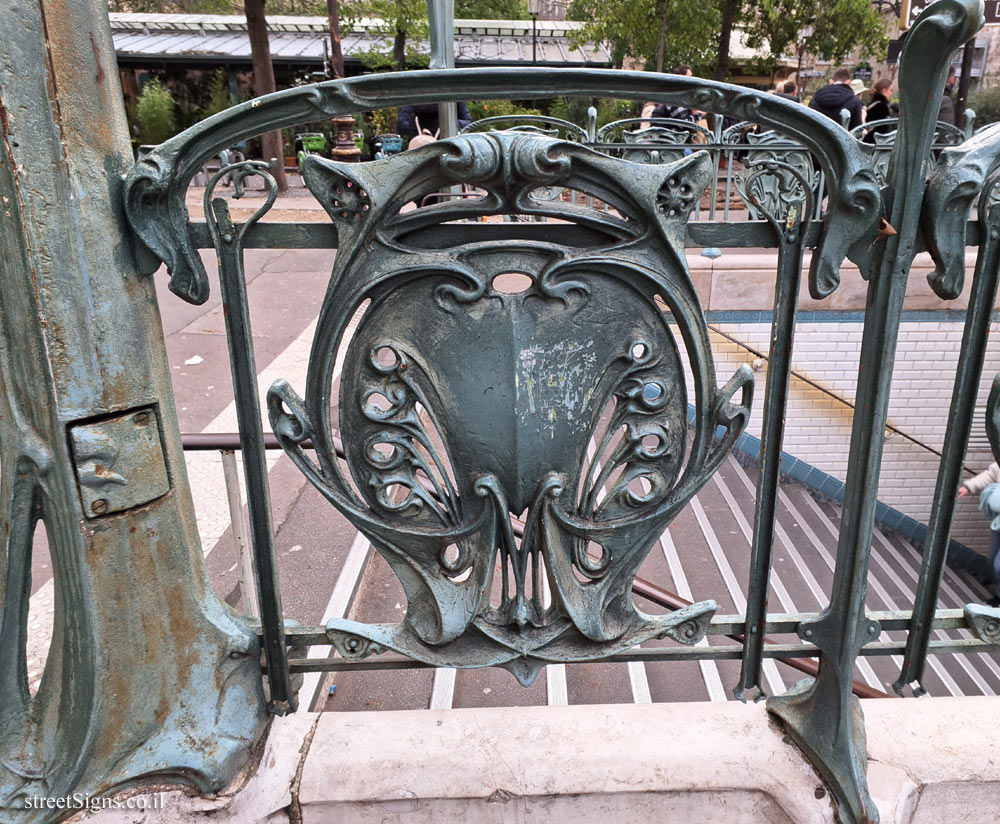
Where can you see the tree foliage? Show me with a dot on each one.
(632, 29)
(218, 98)
(985, 102)
(828, 28)
(172, 6)
(402, 21)
(464, 9)
(831, 29)
(492, 9)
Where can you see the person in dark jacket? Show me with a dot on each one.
(427, 114)
(838, 95)
(879, 108)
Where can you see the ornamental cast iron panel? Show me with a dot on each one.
(463, 402)
(490, 399)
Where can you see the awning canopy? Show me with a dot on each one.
(209, 38)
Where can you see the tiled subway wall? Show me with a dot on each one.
(818, 426)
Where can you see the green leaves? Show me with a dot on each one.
(401, 21)
(492, 9)
(632, 29)
(828, 28)
(154, 112)
(831, 28)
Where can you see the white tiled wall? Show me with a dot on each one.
(818, 427)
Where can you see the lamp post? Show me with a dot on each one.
(534, 8)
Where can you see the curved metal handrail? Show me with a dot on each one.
(155, 188)
(648, 123)
(943, 130)
(530, 122)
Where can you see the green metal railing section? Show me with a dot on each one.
(461, 405)
(736, 150)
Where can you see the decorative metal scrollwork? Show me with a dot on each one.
(984, 621)
(462, 403)
(772, 193)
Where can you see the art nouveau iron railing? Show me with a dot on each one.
(735, 149)
(461, 405)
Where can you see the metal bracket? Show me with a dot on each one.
(119, 462)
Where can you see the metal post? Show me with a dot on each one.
(144, 655)
(441, 14)
(964, 80)
(822, 716)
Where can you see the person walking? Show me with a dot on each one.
(788, 90)
(677, 112)
(987, 485)
(879, 108)
(946, 112)
(836, 96)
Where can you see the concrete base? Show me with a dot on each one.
(930, 760)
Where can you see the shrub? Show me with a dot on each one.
(573, 109)
(154, 112)
(497, 108)
(609, 110)
(985, 102)
(218, 97)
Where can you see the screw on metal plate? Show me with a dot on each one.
(119, 462)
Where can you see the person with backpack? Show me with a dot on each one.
(838, 95)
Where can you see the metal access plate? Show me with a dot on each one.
(119, 462)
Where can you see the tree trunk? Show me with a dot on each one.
(263, 83)
(662, 40)
(730, 8)
(333, 15)
(399, 50)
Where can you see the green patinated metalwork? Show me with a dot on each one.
(462, 404)
(463, 401)
(155, 188)
(149, 677)
(962, 169)
(510, 413)
(539, 124)
(822, 716)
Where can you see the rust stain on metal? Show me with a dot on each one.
(51, 87)
(885, 228)
(99, 78)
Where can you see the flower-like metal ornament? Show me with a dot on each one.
(463, 403)
(347, 200)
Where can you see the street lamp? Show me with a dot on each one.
(534, 9)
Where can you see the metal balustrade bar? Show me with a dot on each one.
(718, 234)
(316, 637)
(778, 652)
(776, 624)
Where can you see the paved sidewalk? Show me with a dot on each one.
(297, 205)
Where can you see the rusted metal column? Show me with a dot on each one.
(344, 147)
(148, 672)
